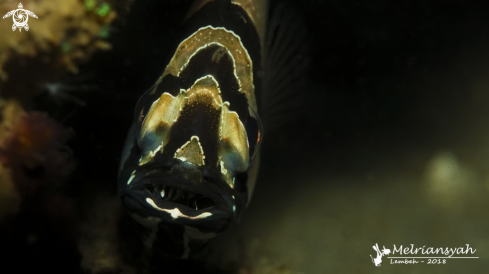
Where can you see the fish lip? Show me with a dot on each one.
(217, 222)
(215, 209)
(221, 215)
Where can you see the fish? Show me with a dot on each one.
(191, 158)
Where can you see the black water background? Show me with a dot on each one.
(384, 75)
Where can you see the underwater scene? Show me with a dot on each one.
(244, 136)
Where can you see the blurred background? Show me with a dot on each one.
(391, 146)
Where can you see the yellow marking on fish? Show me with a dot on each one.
(191, 152)
(242, 64)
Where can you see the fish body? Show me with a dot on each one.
(191, 156)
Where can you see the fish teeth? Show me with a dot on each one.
(178, 194)
(194, 204)
(171, 194)
(190, 199)
(190, 196)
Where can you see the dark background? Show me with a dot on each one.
(389, 82)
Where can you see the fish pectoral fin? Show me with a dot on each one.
(285, 66)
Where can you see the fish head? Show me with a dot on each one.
(185, 170)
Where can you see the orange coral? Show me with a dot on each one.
(35, 152)
(9, 197)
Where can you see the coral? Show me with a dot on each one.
(65, 33)
(34, 151)
(10, 112)
(35, 161)
(9, 198)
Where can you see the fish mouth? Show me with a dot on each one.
(179, 196)
(168, 192)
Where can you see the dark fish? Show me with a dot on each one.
(191, 157)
